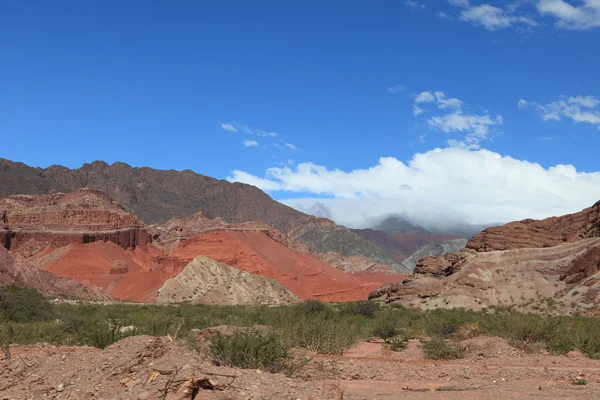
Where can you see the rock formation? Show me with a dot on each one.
(521, 263)
(206, 281)
(86, 237)
(548, 232)
(155, 196)
(436, 249)
(83, 216)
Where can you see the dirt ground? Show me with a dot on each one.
(144, 367)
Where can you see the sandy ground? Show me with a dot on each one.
(154, 368)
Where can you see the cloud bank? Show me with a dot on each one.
(437, 189)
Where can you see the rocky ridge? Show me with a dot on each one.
(520, 263)
(155, 196)
(322, 236)
(436, 249)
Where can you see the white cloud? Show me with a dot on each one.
(229, 127)
(443, 15)
(476, 127)
(443, 102)
(568, 16)
(424, 97)
(250, 143)
(235, 127)
(494, 18)
(260, 132)
(395, 89)
(436, 188)
(422, 138)
(545, 139)
(413, 4)
(290, 146)
(459, 3)
(585, 109)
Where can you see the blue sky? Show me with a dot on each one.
(283, 94)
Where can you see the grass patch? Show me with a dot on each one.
(27, 318)
(439, 349)
(250, 349)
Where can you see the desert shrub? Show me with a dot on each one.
(444, 323)
(250, 349)
(366, 309)
(102, 334)
(21, 304)
(398, 343)
(438, 349)
(386, 328)
(467, 331)
(322, 333)
(311, 307)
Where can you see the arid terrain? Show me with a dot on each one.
(87, 237)
(194, 297)
(144, 367)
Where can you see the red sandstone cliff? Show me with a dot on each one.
(83, 216)
(547, 232)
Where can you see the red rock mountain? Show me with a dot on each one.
(86, 237)
(155, 196)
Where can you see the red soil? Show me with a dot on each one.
(300, 272)
(91, 265)
(143, 270)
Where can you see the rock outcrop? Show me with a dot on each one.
(437, 249)
(547, 232)
(519, 264)
(83, 216)
(206, 281)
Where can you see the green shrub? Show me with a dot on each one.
(21, 304)
(321, 334)
(250, 349)
(438, 349)
(102, 334)
(398, 343)
(386, 329)
(311, 307)
(366, 309)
